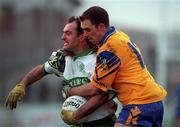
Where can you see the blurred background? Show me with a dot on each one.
(31, 29)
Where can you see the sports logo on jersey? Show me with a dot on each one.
(53, 62)
(107, 63)
(57, 61)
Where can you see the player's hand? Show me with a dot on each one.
(68, 117)
(65, 91)
(111, 94)
(15, 95)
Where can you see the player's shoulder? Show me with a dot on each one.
(116, 44)
(55, 53)
(118, 41)
(61, 52)
(119, 38)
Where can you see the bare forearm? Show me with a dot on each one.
(33, 75)
(90, 106)
(85, 90)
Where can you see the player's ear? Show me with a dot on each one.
(82, 37)
(101, 27)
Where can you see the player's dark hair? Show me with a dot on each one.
(96, 15)
(77, 20)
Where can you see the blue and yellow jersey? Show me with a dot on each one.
(120, 65)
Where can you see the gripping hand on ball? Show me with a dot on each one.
(68, 117)
(15, 95)
(65, 91)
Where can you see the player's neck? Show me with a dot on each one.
(81, 48)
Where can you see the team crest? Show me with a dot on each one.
(107, 63)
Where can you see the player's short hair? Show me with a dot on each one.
(96, 15)
(80, 31)
(77, 20)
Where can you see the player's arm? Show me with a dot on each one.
(84, 90)
(73, 117)
(33, 75)
(105, 72)
(18, 92)
(90, 106)
(94, 103)
(54, 65)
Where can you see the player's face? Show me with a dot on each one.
(93, 33)
(70, 37)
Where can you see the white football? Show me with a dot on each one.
(73, 103)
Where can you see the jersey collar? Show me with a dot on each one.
(107, 35)
(85, 53)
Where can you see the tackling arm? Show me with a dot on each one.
(74, 117)
(90, 106)
(85, 90)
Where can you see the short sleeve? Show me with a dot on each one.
(55, 64)
(107, 65)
